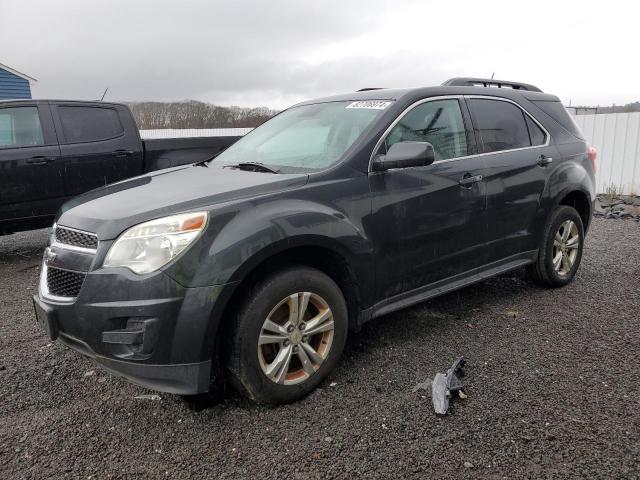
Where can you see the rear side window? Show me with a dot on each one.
(438, 122)
(20, 127)
(502, 125)
(557, 111)
(89, 124)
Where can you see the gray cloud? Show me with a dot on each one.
(277, 52)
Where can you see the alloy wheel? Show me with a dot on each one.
(295, 338)
(565, 247)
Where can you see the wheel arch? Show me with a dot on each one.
(579, 200)
(327, 256)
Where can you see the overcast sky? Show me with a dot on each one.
(274, 53)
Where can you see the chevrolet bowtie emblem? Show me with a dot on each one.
(49, 256)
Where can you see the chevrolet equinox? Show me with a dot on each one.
(251, 268)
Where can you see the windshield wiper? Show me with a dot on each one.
(203, 163)
(253, 167)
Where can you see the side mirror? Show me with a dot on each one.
(405, 154)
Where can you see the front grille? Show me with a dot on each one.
(76, 238)
(64, 283)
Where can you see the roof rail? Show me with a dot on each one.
(488, 82)
(370, 88)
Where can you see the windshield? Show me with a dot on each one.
(308, 137)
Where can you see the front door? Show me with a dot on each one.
(434, 215)
(31, 183)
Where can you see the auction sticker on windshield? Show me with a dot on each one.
(372, 104)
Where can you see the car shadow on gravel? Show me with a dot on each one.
(23, 246)
(439, 318)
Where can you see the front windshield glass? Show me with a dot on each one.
(308, 137)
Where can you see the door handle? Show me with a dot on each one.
(122, 153)
(468, 180)
(39, 160)
(543, 160)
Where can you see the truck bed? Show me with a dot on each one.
(170, 152)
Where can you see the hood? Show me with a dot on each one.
(109, 210)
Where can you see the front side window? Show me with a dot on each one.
(308, 137)
(89, 124)
(438, 122)
(20, 127)
(501, 124)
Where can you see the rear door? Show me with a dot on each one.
(518, 156)
(95, 146)
(432, 218)
(31, 177)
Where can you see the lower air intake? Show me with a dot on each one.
(64, 283)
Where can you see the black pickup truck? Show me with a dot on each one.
(53, 150)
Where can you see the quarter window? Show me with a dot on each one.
(535, 132)
(438, 122)
(502, 125)
(556, 111)
(20, 127)
(89, 124)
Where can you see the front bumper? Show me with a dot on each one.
(148, 329)
(183, 379)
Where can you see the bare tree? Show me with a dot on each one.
(193, 114)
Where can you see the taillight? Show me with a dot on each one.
(592, 153)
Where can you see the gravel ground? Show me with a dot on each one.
(553, 389)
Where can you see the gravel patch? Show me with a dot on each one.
(552, 382)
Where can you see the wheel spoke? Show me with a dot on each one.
(321, 317)
(313, 355)
(566, 230)
(273, 327)
(323, 327)
(556, 261)
(558, 238)
(294, 305)
(573, 242)
(305, 361)
(277, 370)
(566, 263)
(304, 303)
(266, 338)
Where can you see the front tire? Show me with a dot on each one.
(289, 334)
(560, 252)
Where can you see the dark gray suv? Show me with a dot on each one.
(253, 267)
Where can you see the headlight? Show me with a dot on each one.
(148, 246)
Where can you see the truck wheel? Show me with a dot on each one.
(288, 336)
(561, 249)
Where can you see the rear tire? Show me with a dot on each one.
(278, 355)
(560, 252)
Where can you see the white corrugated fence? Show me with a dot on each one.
(616, 136)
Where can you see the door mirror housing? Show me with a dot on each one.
(405, 154)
